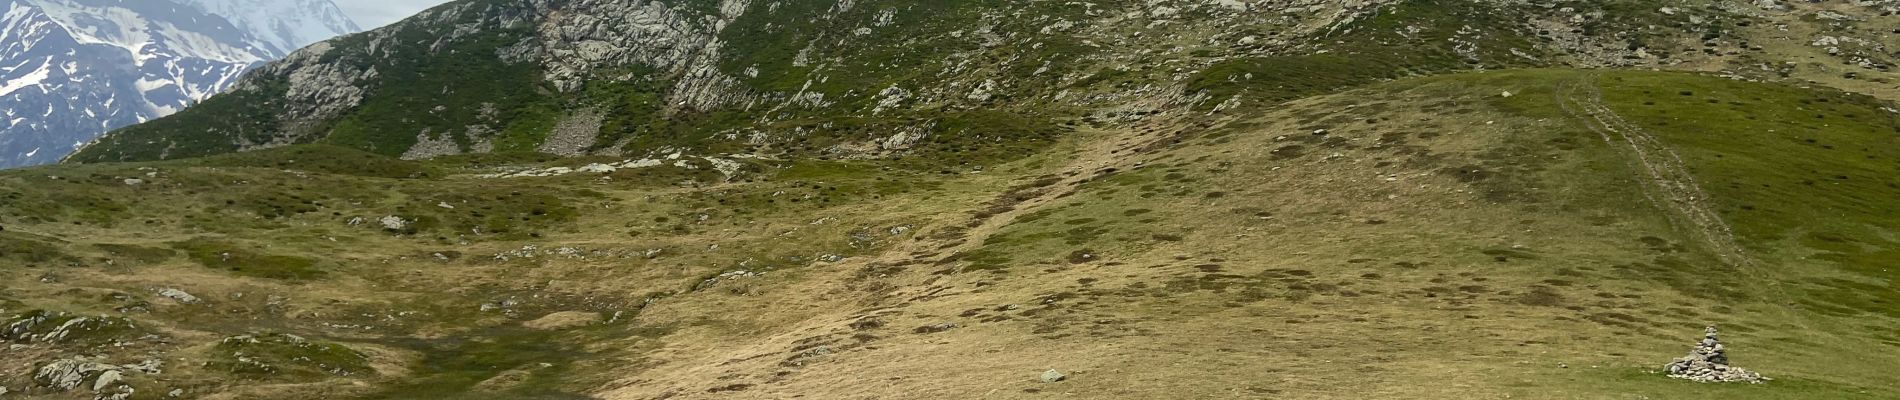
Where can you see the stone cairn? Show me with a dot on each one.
(1708, 363)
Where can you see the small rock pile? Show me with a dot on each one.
(1708, 363)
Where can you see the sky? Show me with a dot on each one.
(372, 14)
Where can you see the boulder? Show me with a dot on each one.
(394, 223)
(107, 379)
(1053, 376)
(178, 295)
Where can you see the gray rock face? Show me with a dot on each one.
(71, 373)
(1708, 363)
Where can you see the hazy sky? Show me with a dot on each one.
(372, 14)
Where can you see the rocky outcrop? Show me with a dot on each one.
(69, 374)
(104, 379)
(49, 327)
(1708, 363)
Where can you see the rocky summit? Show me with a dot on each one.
(1010, 199)
(71, 70)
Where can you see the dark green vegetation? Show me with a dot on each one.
(242, 261)
(464, 86)
(23, 248)
(1802, 175)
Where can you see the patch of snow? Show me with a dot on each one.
(30, 79)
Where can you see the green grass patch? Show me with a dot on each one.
(136, 253)
(1797, 172)
(21, 247)
(326, 159)
(246, 261)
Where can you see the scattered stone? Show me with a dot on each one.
(107, 379)
(394, 223)
(178, 295)
(1708, 363)
(728, 276)
(175, 393)
(134, 182)
(1053, 376)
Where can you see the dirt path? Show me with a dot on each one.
(905, 270)
(1670, 185)
(1097, 152)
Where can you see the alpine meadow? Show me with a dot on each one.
(993, 199)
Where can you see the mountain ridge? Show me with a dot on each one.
(701, 59)
(86, 66)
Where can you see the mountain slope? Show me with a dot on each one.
(1422, 238)
(1420, 199)
(606, 74)
(75, 69)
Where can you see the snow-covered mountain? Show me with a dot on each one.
(283, 25)
(70, 70)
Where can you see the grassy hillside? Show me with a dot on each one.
(1517, 234)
